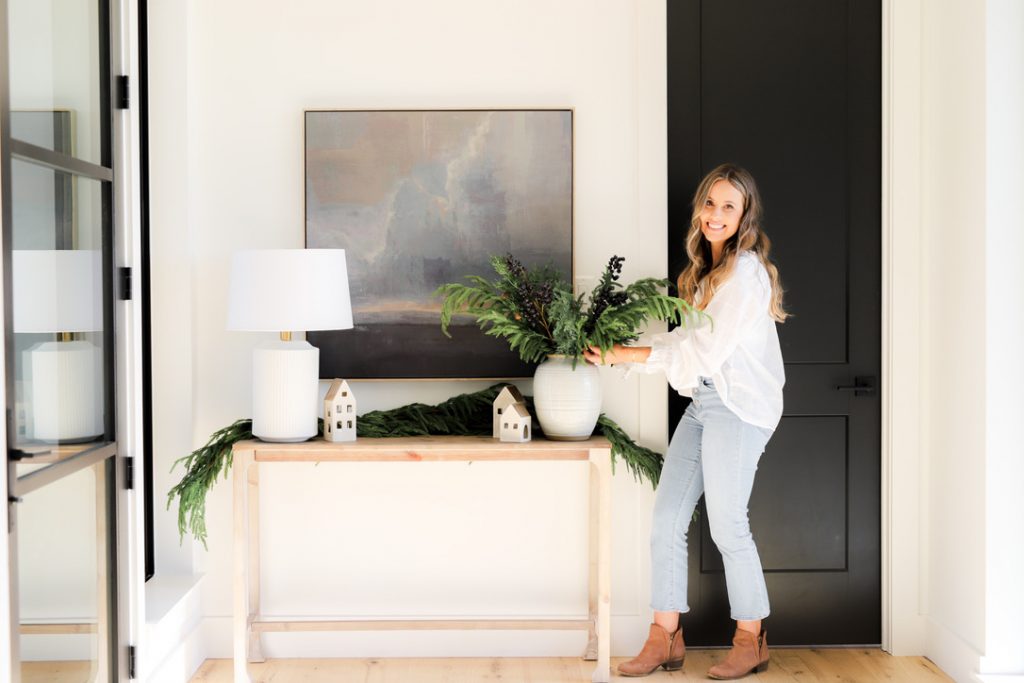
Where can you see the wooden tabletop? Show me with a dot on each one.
(422, 448)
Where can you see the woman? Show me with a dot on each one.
(733, 371)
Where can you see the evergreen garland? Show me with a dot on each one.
(462, 415)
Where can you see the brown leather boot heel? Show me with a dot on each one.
(749, 653)
(661, 649)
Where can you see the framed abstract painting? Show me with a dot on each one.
(421, 198)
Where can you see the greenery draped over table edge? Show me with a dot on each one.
(462, 415)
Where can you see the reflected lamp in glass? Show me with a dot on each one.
(60, 292)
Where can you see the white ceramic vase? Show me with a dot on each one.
(567, 400)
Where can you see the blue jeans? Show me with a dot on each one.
(712, 452)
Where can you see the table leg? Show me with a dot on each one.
(590, 654)
(241, 463)
(100, 665)
(253, 538)
(601, 472)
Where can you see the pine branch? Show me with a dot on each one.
(202, 468)
(462, 415)
(641, 461)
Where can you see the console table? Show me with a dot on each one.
(247, 456)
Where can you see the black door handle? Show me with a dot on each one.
(862, 386)
(18, 454)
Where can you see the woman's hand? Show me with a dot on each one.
(617, 354)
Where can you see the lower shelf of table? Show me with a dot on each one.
(277, 626)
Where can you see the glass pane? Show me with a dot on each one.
(64, 578)
(58, 302)
(55, 75)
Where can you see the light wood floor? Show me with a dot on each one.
(844, 665)
(57, 672)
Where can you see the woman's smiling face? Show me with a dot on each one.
(723, 209)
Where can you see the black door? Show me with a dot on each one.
(791, 90)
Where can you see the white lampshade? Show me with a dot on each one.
(57, 290)
(61, 291)
(282, 290)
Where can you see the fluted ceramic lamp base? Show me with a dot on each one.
(285, 375)
(67, 391)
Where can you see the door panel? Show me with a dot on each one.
(55, 64)
(797, 495)
(772, 99)
(64, 543)
(58, 243)
(791, 90)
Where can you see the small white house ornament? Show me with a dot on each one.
(516, 423)
(508, 395)
(339, 412)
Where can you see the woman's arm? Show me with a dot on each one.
(617, 354)
(685, 352)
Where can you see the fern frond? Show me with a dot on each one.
(464, 298)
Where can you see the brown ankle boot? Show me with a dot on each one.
(749, 653)
(662, 648)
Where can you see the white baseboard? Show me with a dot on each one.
(998, 678)
(957, 658)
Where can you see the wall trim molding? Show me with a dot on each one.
(904, 519)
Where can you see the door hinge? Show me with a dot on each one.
(123, 98)
(131, 661)
(129, 473)
(125, 281)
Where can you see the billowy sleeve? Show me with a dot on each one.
(688, 352)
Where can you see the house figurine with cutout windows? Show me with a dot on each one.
(339, 412)
(508, 395)
(516, 423)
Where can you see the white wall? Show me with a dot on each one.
(1004, 245)
(171, 246)
(430, 540)
(954, 220)
(972, 70)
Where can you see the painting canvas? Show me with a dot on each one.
(421, 198)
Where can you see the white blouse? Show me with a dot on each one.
(741, 354)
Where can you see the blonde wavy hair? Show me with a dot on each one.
(749, 236)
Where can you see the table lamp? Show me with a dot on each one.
(61, 292)
(285, 291)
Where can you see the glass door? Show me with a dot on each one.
(57, 188)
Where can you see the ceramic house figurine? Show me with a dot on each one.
(506, 397)
(516, 423)
(339, 412)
